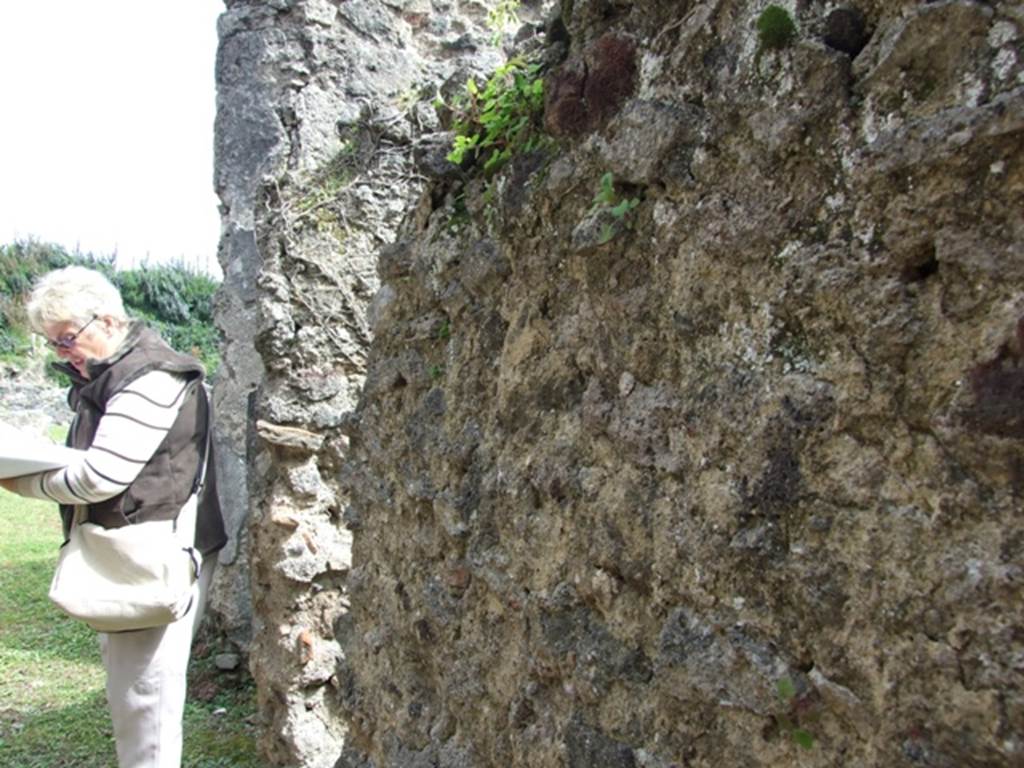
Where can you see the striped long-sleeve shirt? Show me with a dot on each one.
(136, 421)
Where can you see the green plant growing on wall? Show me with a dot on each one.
(326, 186)
(407, 99)
(775, 28)
(502, 118)
(607, 201)
(789, 721)
(459, 216)
(503, 15)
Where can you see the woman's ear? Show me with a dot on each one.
(111, 325)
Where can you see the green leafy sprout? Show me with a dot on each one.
(501, 118)
(786, 690)
(606, 199)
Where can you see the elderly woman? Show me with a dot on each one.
(141, 421)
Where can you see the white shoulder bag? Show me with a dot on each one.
(134, 577)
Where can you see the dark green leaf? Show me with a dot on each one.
(803, 738)
(786, 689)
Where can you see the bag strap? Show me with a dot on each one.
(200, 480)
(79, 515)
(204, 459)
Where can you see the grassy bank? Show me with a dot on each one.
(53, 710)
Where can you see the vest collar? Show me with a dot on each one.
(97, 367)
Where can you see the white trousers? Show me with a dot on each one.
(146, 684)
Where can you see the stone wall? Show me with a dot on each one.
(323, 110)
(731, 474)
(31, 402)
(739, 471)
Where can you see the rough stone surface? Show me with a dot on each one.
(845, 31)
(768, 432)
(30, 401)
(324, 125)
(530, 483)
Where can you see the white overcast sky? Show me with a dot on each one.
(106, 127)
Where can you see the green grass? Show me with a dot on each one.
(53, 711)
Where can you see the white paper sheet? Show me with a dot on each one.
(25, 454)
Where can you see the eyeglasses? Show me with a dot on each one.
(67, 341)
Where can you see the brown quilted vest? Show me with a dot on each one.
(170, 476)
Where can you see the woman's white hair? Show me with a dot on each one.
(73, 294)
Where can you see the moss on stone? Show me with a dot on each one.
(775, 27)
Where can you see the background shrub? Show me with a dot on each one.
(174, 299)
